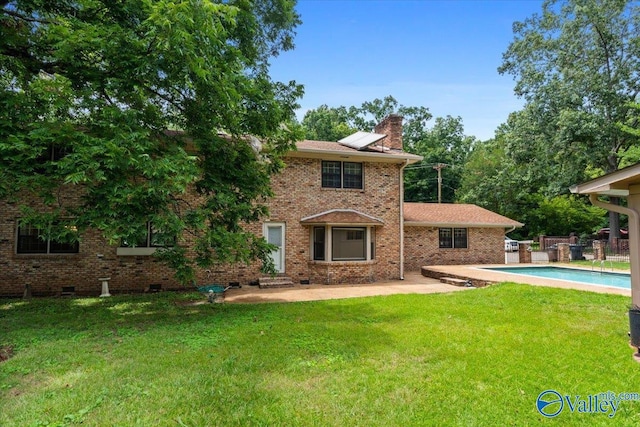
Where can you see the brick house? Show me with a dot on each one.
(337, 216)
(453, 234)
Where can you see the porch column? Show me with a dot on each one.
(633, 202)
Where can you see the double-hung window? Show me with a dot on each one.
(31, 240)
(452, 238)
(337, 174)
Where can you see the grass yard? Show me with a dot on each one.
(475, 358)
(606, 265)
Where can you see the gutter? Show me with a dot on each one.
(634, 239)
(406, 163)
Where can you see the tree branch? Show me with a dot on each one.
(26, 18)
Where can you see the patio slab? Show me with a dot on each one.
(413, 283)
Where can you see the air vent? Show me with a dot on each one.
(68, 291)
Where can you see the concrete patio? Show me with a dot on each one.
(414, 283)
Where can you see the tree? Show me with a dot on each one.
(125, 101)
(327, 124)
(442, 146)
(577, 66)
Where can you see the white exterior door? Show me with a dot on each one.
(274, 233)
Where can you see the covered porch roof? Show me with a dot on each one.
(614, 184)
(341, 217)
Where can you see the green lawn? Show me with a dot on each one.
(471, 358)
(606, 265)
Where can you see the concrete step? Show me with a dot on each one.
(454, 281)
(275, 282)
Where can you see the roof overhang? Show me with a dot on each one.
(460, 225)
(614, 184)
(341, 217)
(363, 156)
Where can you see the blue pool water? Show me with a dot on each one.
(595, 277)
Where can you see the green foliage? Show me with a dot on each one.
(443, 144)
(576, 65)
(327, 124)
(126, 101)
(563, 215)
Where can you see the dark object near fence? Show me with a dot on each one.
(576, 252)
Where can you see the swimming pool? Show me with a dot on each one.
(595, 277)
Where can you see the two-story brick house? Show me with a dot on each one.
(337, 216)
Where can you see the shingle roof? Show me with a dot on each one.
(454, 214)
(311, 146)
(342, 216)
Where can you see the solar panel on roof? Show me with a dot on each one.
(360, 140)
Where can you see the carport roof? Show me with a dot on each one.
(614, 184)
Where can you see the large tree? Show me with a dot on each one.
(128, 100)
(444, 146)
(577, 65)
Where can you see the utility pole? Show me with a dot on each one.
(439, 168)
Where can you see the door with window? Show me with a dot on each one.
(274, 233)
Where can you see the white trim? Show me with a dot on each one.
(308, 218)
(374, 157)
(139, 251)
(282, 225)
(457, 225)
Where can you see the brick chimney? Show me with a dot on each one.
(392, 127)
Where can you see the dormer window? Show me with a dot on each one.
(342, 175)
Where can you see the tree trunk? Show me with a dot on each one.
(614, 222)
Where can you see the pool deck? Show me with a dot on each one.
(479, 274)
(413, 283)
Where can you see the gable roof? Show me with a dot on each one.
(341, 216)
(454, 215)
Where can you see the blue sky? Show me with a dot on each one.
(438, 54)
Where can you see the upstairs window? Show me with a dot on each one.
(452, 238)
(341, 174)
(31, 240)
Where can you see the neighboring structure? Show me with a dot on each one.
(448, 234)
(337, 216)
(621, 183)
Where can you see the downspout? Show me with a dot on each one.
(406, 163)
(634, 240)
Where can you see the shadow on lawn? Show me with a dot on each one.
(173, 316)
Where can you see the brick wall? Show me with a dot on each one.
(298, 194)
(484, 246)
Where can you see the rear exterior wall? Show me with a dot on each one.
(297, 194)
(421, 248)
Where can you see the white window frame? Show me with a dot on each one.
(369, 243)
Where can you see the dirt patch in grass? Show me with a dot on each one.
(6, 352)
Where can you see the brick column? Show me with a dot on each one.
(598, 250)
(524, 254)
(563, 252)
